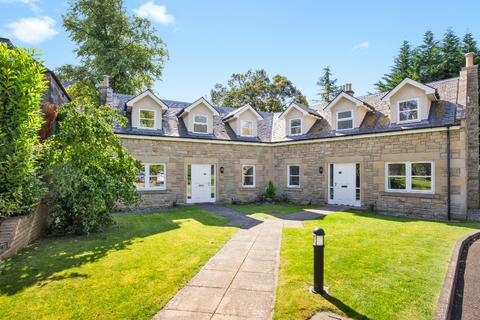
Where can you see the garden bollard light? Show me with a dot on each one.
(318, 260)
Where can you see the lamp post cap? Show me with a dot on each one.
(318, 231)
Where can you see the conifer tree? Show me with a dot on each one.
(402, 68)
(469, 44)
(452, 57)
(328, 88)
(427, 59)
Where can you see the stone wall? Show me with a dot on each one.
(178, 155)
(372, 154)
(271, 162)
(18, 232)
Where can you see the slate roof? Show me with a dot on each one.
(443, 112)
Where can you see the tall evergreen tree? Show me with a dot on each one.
(327, 85)
(427, 59)
(469, 44)
(402, 68)
(452, 56)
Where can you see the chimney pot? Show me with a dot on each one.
(348, 89)
(106, 81)
(469, 59)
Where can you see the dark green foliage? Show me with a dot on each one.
(327, 85)
(258, 90)
(432, 60)
(110, 42)
(87, 169)
(270, 191)
(22, 82)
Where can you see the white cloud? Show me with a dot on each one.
(154, 12)
(33, 30)
(31, 3)
(361, 45)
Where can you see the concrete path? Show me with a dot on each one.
(470, 308)
(239, 282)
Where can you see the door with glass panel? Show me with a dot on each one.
(344, 184)
(201, 183)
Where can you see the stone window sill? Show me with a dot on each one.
(153, 191)
(410, 195)
(293, 189)
(248, 189)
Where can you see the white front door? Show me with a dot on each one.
(203, 183)
(343, 184)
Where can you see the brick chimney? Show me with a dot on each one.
(106, 93)
(348, 89)
(468, 97)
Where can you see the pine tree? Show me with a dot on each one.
(427, 59)
(328, 88)
(452, 57)
(469, 44)
(402, 68)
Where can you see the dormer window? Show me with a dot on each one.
(147, 119)
(295, 126)
(408, 110)
(200, 123)
(345, 120)
(246, 128)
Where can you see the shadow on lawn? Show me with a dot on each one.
(346, 309)
(36, 265)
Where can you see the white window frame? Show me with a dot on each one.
(140, 119)
(299, 176)
(243, 176)
(242, 122)
(418, 110)
(147, 177)
(199, 123)
(408, 177)
(344, 119)
(290, 126)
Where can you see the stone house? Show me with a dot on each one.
(413, 150)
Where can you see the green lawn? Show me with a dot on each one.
(269, 210)
(129, 272)
(377, 267)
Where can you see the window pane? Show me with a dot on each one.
(147, 123)
(294, 170)
(144, 114)
(248, 170)
(294, 180)
(408, 105)
(140, 181)
(200, 119)
(295, 123)
(408, 115)
(419, 183)
(397, 183)
(295, 130)
(202, 128)
(421, 169)
(248, 180)
(344, 124)
(157, 175)
(396, 169)
(344, 114)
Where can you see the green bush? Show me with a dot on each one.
(270, 192)
(22, 82)
(87, 169)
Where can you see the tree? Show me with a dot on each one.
(470, 45)
(402, 68)
(87, 169)
(328, 88)
(427, 59)
(22, 82)
(111, 42)
(452, 57)
(258, 90)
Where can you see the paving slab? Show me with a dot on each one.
(261, 266)
(247, 303)
(196, 299)
(254, 281)
(212, 278)
(181, 315)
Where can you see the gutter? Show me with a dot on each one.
(449, 200)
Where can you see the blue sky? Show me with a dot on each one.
(210, 40)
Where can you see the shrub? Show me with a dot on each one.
(270, 192)
(22, 82)
(88, 170)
